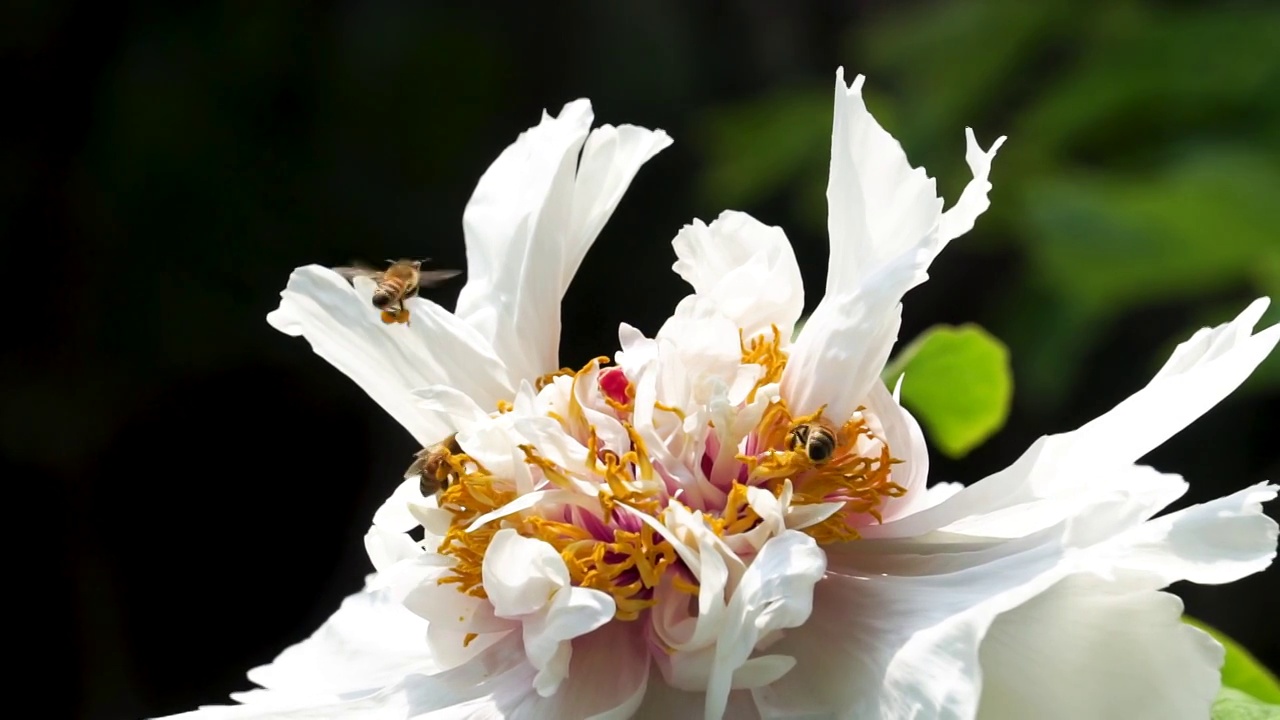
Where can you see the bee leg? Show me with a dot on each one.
(389, 318)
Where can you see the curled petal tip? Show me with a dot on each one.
(852, 88)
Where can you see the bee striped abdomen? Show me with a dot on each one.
(387, 291)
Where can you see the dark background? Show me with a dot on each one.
(192, 486)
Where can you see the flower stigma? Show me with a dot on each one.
(603, 498)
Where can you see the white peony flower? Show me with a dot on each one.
(726, 523)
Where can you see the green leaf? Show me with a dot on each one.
(1241, 671)
(959, 383)
(1234, 705)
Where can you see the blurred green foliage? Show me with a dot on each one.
(960, 385)
(1141, 168)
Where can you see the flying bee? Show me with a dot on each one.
(816, 440)
(431, 465)
(397, 283)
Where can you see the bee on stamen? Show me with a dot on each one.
(399, 282)
(816, 440)
(432, 467)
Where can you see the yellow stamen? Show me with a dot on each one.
(470, 497)
(599, 564)
(768, 354)
(737, 517)
(578, 426)
(628, 567)
(550, 377)
(671, 409)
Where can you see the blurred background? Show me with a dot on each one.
(198, 484)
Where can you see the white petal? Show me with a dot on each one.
(775, 593)
(886, 226)
(842, 349)
(668, 703)
(386, 548)
(445, 400)
(673, 621)
(803, 516)
(898, 647)
(394, 515)
(529, 223)
(906, 442)
(1210, 343)
(496, 447)
(1201, 372)
(472, 687)
(521, 574)
(1213, 543)
(418, 585)
(696, 344)
(746, 268)
(451, 648)
(1122, 498)
(1093, 648)
(935, 494)
(760, 671)
(370, 642)
(389, 361)
(610, 160)
(606, 680)
(973, 201)
(636, 350)
(554, 445)
(691, 637)
(528, 500)
(906, 644)
(879, 207)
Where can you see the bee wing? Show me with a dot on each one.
(427, 278)
(419, 464)
(351, 272)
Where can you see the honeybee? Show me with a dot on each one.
(432, 467)
(816, 440)
(397, 283)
